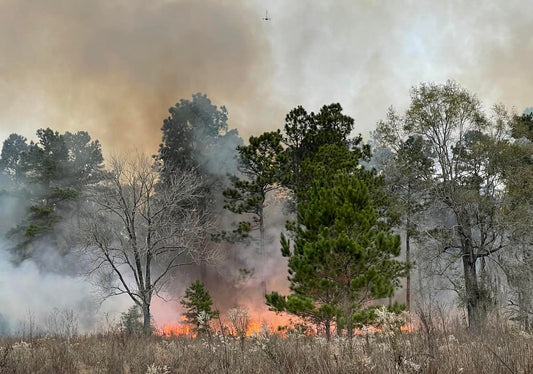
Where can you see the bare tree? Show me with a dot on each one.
(139, 231)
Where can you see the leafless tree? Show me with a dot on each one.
(138, 231)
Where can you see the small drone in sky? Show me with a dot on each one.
(266, 17)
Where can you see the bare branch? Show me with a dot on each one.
(135, 228)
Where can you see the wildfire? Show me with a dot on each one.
(253, 327)
(408, 327)
(182, 328)
(369, 329)
(256, 327)
(274, 325)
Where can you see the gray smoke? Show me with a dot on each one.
(113, 68)
(31, 294)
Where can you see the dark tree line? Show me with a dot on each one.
(48, 176)
(452, 179)
(339, 244)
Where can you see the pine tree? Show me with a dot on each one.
(131, 321)
(406, 175)
(53, 173)
(196, 137)
(260, 163)
(199, 306)
(305, 134)
(341, 256)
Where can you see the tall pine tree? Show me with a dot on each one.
(341, 256)
(52, 173)
(260, 163)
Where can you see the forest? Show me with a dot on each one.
(308, 248)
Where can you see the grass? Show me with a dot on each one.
(499, 349)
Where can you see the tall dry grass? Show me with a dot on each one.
(495, 349)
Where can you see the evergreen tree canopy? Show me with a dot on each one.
(131, 321)
(53, 172)
(341, 256)
(260, 163)
(305, 134)
(196, 136)
(406, 180)
(13, 150)
(199, 307)
(522, 127)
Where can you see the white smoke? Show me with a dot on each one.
(27, 292)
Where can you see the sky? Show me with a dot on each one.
(114, 67)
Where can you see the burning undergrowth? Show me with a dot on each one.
(239, 322)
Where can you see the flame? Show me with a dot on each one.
(408, 327)
(271, 324)
(256, 327)
(182, 328)
(185, 329)
(368, 329)
(177, 330)
(253, 328)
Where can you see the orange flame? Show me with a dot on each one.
(182, 328)
(177, 330)
(366, 330)
(253, 328)
(256, 327)
(274, 324)
(408, 327)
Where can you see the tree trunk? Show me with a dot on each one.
(472, 293)
(261, 231)
(408, 246)
(147, 326)
(350, 329)
(327, 327)
(523, 310)
(262, 240)
(408, 260)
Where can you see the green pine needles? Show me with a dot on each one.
(199, 307)
(341, 256)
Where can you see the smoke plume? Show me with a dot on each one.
(31, 294)
(113, 68)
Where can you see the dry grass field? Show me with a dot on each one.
(499, 349)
